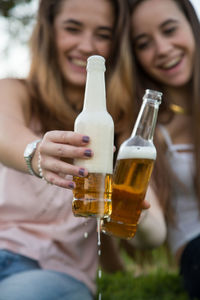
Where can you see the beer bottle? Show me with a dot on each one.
(133, 169)
(92, 194)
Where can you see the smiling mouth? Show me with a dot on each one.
(171, 64)
(79, 62)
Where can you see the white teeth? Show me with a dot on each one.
(171, 64)
(78, 62)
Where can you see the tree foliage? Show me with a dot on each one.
(6, 6)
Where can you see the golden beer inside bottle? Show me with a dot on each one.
(131, 178)
(92, 195)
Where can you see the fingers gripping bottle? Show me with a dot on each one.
(92, 195)
(133, 170)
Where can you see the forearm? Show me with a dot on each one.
(14, 136)
(15, 116)
(57, 148)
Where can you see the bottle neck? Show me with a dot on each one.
(146, 120)
(95, 95)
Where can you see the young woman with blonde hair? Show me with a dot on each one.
(43, 252)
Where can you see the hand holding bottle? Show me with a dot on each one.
(57, 150)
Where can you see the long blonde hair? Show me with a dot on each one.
(46, 83)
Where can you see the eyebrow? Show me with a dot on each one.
(143, 35)
(72, 21)
(169, 21)
(75, 22)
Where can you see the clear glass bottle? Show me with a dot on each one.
(133, 170)
(92, 195)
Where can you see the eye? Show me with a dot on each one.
(142, 45)
(72, 29)
(170, 30)
(104, 35)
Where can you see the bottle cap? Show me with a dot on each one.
(96, 63)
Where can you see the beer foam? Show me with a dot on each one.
(101, 141)
(137, 152)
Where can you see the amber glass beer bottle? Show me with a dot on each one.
(92, 194)
(133, 169)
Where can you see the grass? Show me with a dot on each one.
(155, 286)
(150, 277)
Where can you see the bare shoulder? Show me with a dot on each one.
(14, 92)
(12, 86)
(15, 99)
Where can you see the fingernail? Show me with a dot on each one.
(85, 139)
(81, 171)
(71, 185)
(88, 153)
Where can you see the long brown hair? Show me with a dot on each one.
(45, 80)
(143, 81)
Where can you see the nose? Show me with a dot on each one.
(163, 45)
(87, 44)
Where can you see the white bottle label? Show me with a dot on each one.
(101, 141)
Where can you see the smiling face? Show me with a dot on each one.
(163, 42)
(82, 28)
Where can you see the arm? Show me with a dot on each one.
(15, 134)
(14, 118)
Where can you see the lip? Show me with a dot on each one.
(172, 66)
(78, 63)
(172, 63)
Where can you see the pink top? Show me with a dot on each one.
(36, 220)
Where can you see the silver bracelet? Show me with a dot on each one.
(28, 155)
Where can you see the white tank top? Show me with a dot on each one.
(183, 198)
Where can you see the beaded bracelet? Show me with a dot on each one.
(39, 166)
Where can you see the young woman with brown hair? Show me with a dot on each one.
(165, 39)
(44, 254)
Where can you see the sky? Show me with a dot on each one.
(14, 57)
(196, 4)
